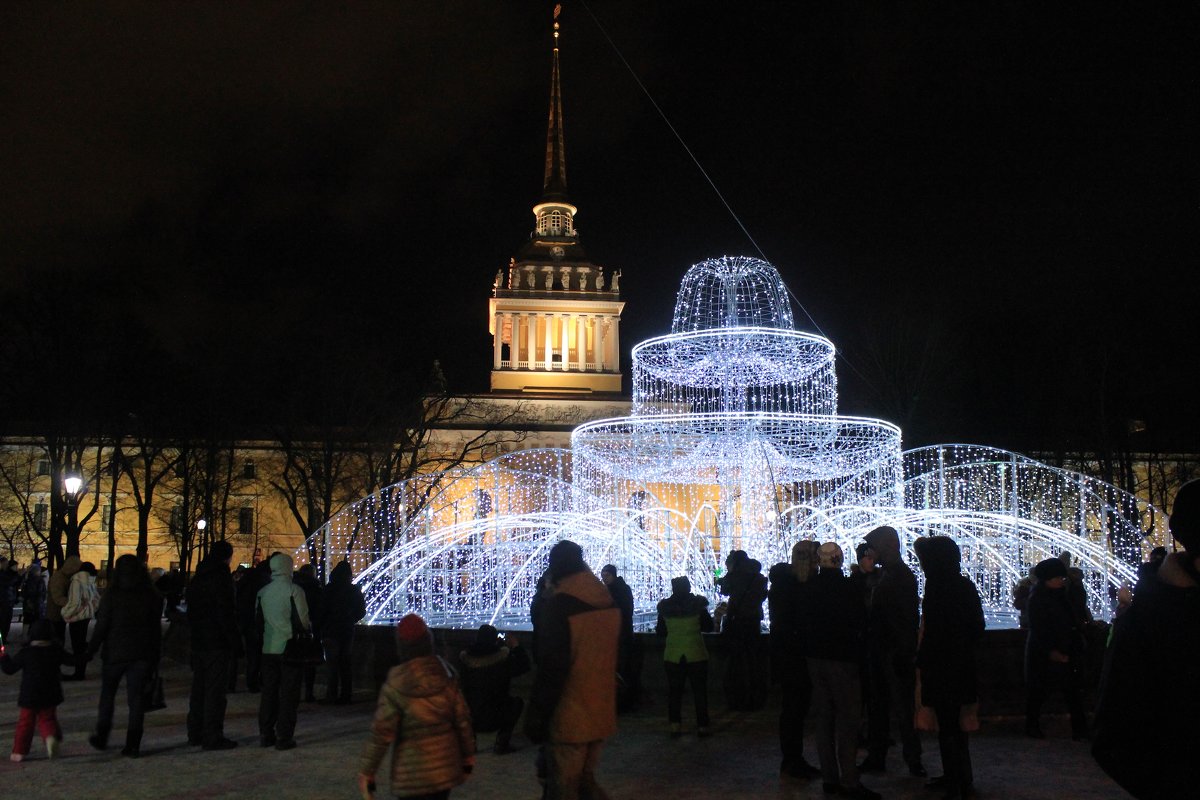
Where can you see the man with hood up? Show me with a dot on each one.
(1147, 741)
(58, 595)
(892, 623)
(572, 707)
(279, 603)
(212, 619)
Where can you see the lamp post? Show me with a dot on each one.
(201, 524)
(72, 488)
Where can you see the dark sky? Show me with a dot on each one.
(990, 208)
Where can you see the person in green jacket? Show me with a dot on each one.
(682, 618)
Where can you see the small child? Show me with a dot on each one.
(41, 689)
(423, 718)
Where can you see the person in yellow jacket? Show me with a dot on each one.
(682, 618)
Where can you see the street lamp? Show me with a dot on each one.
(201, 525)
(72, 483)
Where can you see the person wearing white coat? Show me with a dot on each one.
(82, 601)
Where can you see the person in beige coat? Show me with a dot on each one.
(423, 717)
(573, 705)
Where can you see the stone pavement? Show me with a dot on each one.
(739, 761)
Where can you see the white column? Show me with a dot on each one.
(616, 339)
(600, 343)
(498, 325)
(581, 343)
(549, 341)
(514, 345)
(531, 332)
(564, 343)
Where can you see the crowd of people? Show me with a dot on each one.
(249, 614)
(859, 657)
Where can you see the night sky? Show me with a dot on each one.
(990, 208)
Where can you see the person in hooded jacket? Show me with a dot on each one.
(128, 636)
(892, 622)
(59, 593)
(281, 608)
(488, 667)
(951, 626)
(573, 704)
(788, 602)
(212, 619)
(422, 716)
(343, 608)
(1053, 650)
(682, 618)
(83, 600)
(1149, 746)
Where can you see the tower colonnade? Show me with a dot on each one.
(555, 341)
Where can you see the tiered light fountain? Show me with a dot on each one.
(734, 443)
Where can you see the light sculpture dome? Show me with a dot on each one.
(734, 442)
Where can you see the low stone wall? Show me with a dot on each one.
(1000, 663)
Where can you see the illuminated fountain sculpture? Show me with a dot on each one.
(734, 442)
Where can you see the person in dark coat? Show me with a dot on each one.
(788, 602)
(629, 666)
(892, 623)
(682, 619)
(41, 689)
(833, 630)
(10, 583)
(212, 618)
(33, 596)
(306, 579)
(1053, 649)
(342, 608)
(488, 668)
(1148, 744)
(128, 636)
(952, 624)
(247, 592)
(745, 678)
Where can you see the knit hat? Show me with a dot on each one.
(681, 585)
(412, 629)
(1049, 569)
(487, 641)
(829, 556)
(413, 638)
(804, 555)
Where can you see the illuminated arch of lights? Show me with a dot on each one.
(733, 443)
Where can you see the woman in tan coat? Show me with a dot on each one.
(422, 712)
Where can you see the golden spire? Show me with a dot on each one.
(554, 186)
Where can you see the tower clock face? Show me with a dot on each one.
(557, 253)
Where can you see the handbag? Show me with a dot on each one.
(302, 649)
(153, 695)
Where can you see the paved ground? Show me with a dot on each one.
(739, 761)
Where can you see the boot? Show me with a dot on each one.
(99, 739)
(133, 743)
